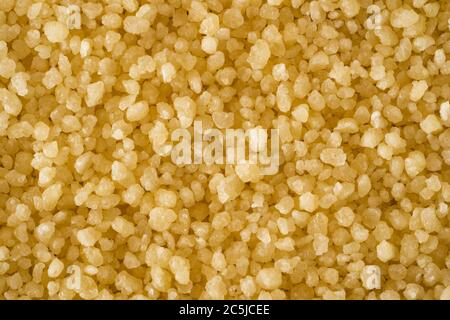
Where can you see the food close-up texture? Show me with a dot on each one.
(92, 206)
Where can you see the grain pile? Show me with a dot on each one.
(92, 207)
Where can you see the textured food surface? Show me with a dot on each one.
(93, 207)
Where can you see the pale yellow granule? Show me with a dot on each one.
(320, 244)
(7, 68)
(168, 72)
(216, 288)
(94, 93)
(308, 201)
(334, 156)
(137, 111)
(88, 236)
(403, 18)
(160, 219)
(371, 138)
(55, 268)
(185, 108)
(418, 90)
(385, 251)
(55, 31)
(350, 7)
(445, 295)
(10, 102)
(248, 172)
(430, 124)
(180, 268)
(259, 54)
(269, 278)
(345, 216)
(229, 188)
(135, 25)
(123, 227)
(209, 44)
(232, 18)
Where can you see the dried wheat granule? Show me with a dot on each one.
(55, 31)
(259, 54)
(269, 278)
(88, 236)
(168, 72)
(161, 218)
